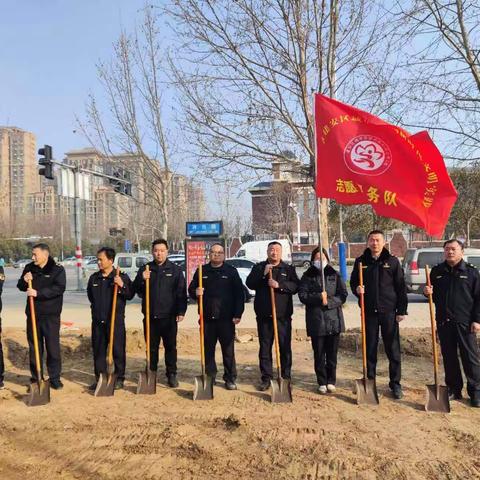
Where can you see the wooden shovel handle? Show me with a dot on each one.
(275, 326)
(33, 317)
(433, 327)
(202, 326)
(363, 326)
(112, 319)
(147, 316)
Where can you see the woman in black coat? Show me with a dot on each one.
(324, 316)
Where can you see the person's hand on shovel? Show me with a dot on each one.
(399, 318)
(146, 274)
(31, 292)
(427, 290)
(475, 328)
(360, 290)
(28, 277)
(199, 291)
(324, 298)
(268, 267)
(273, 283)
(117, 280)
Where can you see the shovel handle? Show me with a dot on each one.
(35, 336)
(112, 320)
(202, 326)
(363, 326)
(433, 328)
(147, 317)
(275, 326)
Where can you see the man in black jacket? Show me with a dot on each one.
(2, 366)
(385, 305)
(168, 304)
(48, 284)
(456, 294)
(223, 305)
(100, 293)
(285, 284)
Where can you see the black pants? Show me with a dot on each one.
(2, 365)
(48, 333)
(454, 337)
(100, 339)
(164, 329)
(325, 350)
(265, 337)
(388, 325)
(222, 331)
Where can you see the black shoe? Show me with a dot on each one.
(172, 381)
(119, 384)
(475, 402)
(92, 387)
(264, 385)
(56, 384)
(397, 392)
(455, 395)
(2, 385)
(230, 385)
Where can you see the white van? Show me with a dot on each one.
(129, 263)
(257, 251)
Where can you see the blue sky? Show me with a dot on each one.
(48, 53)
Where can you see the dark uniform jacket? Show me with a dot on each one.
(168, 290)
(323, 319)
(223, 297)
(49, 282)
(456, 293)
(286, 276)
(100, 294)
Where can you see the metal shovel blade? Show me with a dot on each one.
(105, 385)
(366, 392)
(437, 399)
(39, 393)
(203, 388)
(147, 383)
(281, 391)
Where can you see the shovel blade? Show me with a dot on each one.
(105, 385)
(203, 388)
(281, 391)
(437, 399)
(147, 383)
(366, 391)
(39, 393)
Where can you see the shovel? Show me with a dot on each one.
(203, 383)
(366, 388)
(281, 388)
(437, 395)
(106, 382)
(39, 393)
(147, 380)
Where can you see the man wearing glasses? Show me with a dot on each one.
(223, 305)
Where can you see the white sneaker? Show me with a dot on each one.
(322, 389)
(331, 388)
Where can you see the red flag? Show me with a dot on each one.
(363, 159)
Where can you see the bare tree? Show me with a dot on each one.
(247, 69)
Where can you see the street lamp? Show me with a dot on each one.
(293, 206)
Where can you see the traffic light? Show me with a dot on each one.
(46, 161)
(122, 185)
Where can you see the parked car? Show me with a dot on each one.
(88, 258)
(129, 263)
(69, 261)
(21, 263)
(176, 258)
(301, 259)
(90, 267)
(243, 266)
(415, 260)
(257, 251)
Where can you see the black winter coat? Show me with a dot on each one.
(456, 293)
(168, 290)
(385, 289)
(223, 297)
(100, 294)
(323, 319)
(288, 281)
(49, 282)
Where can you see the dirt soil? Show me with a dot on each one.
(239, 434)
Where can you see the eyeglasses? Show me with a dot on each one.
(217, 253)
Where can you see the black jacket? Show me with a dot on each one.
(323, 319)
(288, 281)
(385, 289)
(100, 294)
(456, 293)
(223, 297)
(168, 291)
(49, 282)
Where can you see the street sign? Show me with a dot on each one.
(204, 229)
(128, 245)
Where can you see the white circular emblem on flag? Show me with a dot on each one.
(367, 155)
